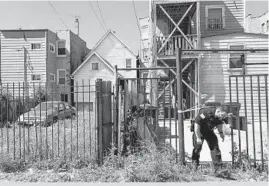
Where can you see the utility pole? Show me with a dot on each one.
(0, 62)
(179, 107)
(77, 24)
(25, 72)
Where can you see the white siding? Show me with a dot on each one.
(85, 74)
(214, 73)
(12, 60)
(116, 53)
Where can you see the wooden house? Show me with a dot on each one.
(39, 57)
(109, 51)
(197, 25)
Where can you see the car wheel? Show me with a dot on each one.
(74, 116)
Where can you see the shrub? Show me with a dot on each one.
(8, 165)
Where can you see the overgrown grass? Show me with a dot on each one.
(149, 165)
(66, 139)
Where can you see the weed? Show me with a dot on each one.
(8, 165)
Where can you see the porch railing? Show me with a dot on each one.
(175, 41)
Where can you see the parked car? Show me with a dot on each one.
(47, 113)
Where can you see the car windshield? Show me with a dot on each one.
(45, 105)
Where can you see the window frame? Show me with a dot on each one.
(145, 51)
(50, 44)
(57, 44)
(229, 56)
(52, 74)
(126, 62)
(59, 77)
(36, 80)
(97, 64)
(37, 48)
(207, 7)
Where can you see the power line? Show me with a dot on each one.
(58, 15)
(105, 29)
(137, 22)
(101, 14)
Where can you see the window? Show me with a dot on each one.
(95, 66)
(145, 54)
(35, 77)
(215, 19)
(35, 46)
(52, 77)
(263, 28)
(61, 73)
(128, 63)
(236, 60)
(91, 106)
(64, 97)
(52, 48)
(61, 51)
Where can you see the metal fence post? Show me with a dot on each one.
(116, 110)
(180, 114)
(99, 120)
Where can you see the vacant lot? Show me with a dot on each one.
(65, 138)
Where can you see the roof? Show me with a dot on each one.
(237, 33)
(103, 38)
(22, 30)
(102, 59)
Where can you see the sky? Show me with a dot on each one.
(117, 15)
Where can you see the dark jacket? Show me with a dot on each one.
(206, 119)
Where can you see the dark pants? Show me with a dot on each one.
(212, 142)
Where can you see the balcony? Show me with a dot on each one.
(169, 48)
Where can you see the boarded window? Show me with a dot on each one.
(36, 77)
(35, 46)
(61, 77)
(61, 51)
(215, 18)
(236, 60)
(95, 66)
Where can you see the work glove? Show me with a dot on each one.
(199, 141)
(222, 136)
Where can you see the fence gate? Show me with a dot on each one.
(104, 117)
(249, 94)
